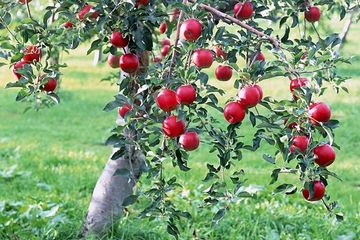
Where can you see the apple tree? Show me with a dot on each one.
(166, 104)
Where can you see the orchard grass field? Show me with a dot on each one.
(50, 161)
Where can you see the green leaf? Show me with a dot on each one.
(288, 188)
(218, 216)
(269, 158)
(130, 200)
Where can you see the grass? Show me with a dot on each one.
(59, 153)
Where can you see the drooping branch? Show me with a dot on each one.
(228, 18)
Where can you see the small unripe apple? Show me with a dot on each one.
(166, 100)
(203, 58)
(219, 52)
(189, 141)
(50, 85)
(68, 25)
(163, 27)
(24, 1)
(234, 112)
(141, 3)
(243, 10)
(319, 191)
(185, 94)
(299, 142)
(223, 73)
(129, 63)
(173, 127)
(319, 112)
(165, 50)
(32, 53)
(260, 57)
(165, 42)
(191, 29)
(87, 8)
(313, 14)
(17, 66)
(118, 40)
(324, 155)
(298, 83)
(249, 96)
(124, 109)
(113, 61)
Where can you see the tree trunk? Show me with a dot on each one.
(345, 32)
(97, 56)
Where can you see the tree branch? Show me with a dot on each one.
(225, 16)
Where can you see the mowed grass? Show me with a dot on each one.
(59, 154)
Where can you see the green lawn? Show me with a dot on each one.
(59, 153)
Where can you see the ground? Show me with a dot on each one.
(50, 161)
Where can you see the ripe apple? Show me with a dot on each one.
(165, 42)
(234, 112)
(113, 61)
(124, 109)
(18, 65)
(249, 96)
(86, 9)
(260, 57)
(163, 27)
(117, 40)
(261, 94)
(172, 127)
(68, 25)
(185, 94)
(166, 100)
(191, 29)
(223, 72)
(299, 142)
(50, 85)
(243, 10)
(219, 52)
(319, 112)
(32, 53)
(319, 191)
(129, 63)
(298, 83)
(24, 1)
(202, 58)
(157, 59)
(189, 141)
(313, 14)
(141, 2)
(165, 50)
(324, 155)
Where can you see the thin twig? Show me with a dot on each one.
(28, 10)
(8, 29)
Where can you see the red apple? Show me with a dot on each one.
(50, 85)
(261, 94)
(313, 14)
(172, 127)
(319, 112)
(163, 27)
(319, 191)
(166, 100)
(249, 96)
(124, 109)
(223, 72)
(219, 52)
(24, 1)
(86, 9)
(165, 50)
(165, 42)
(189, 141)
(260, 57)
(18, 65)
(191, 29)
(68, 25)
(32, 53)
(185, 94)
(298, 83)
(113, 61)
(324, 155)
(234, 112)
(202, 58)
(299, 142)
(117, 40)
(129, 63)
(141, 3)
(243, 10)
